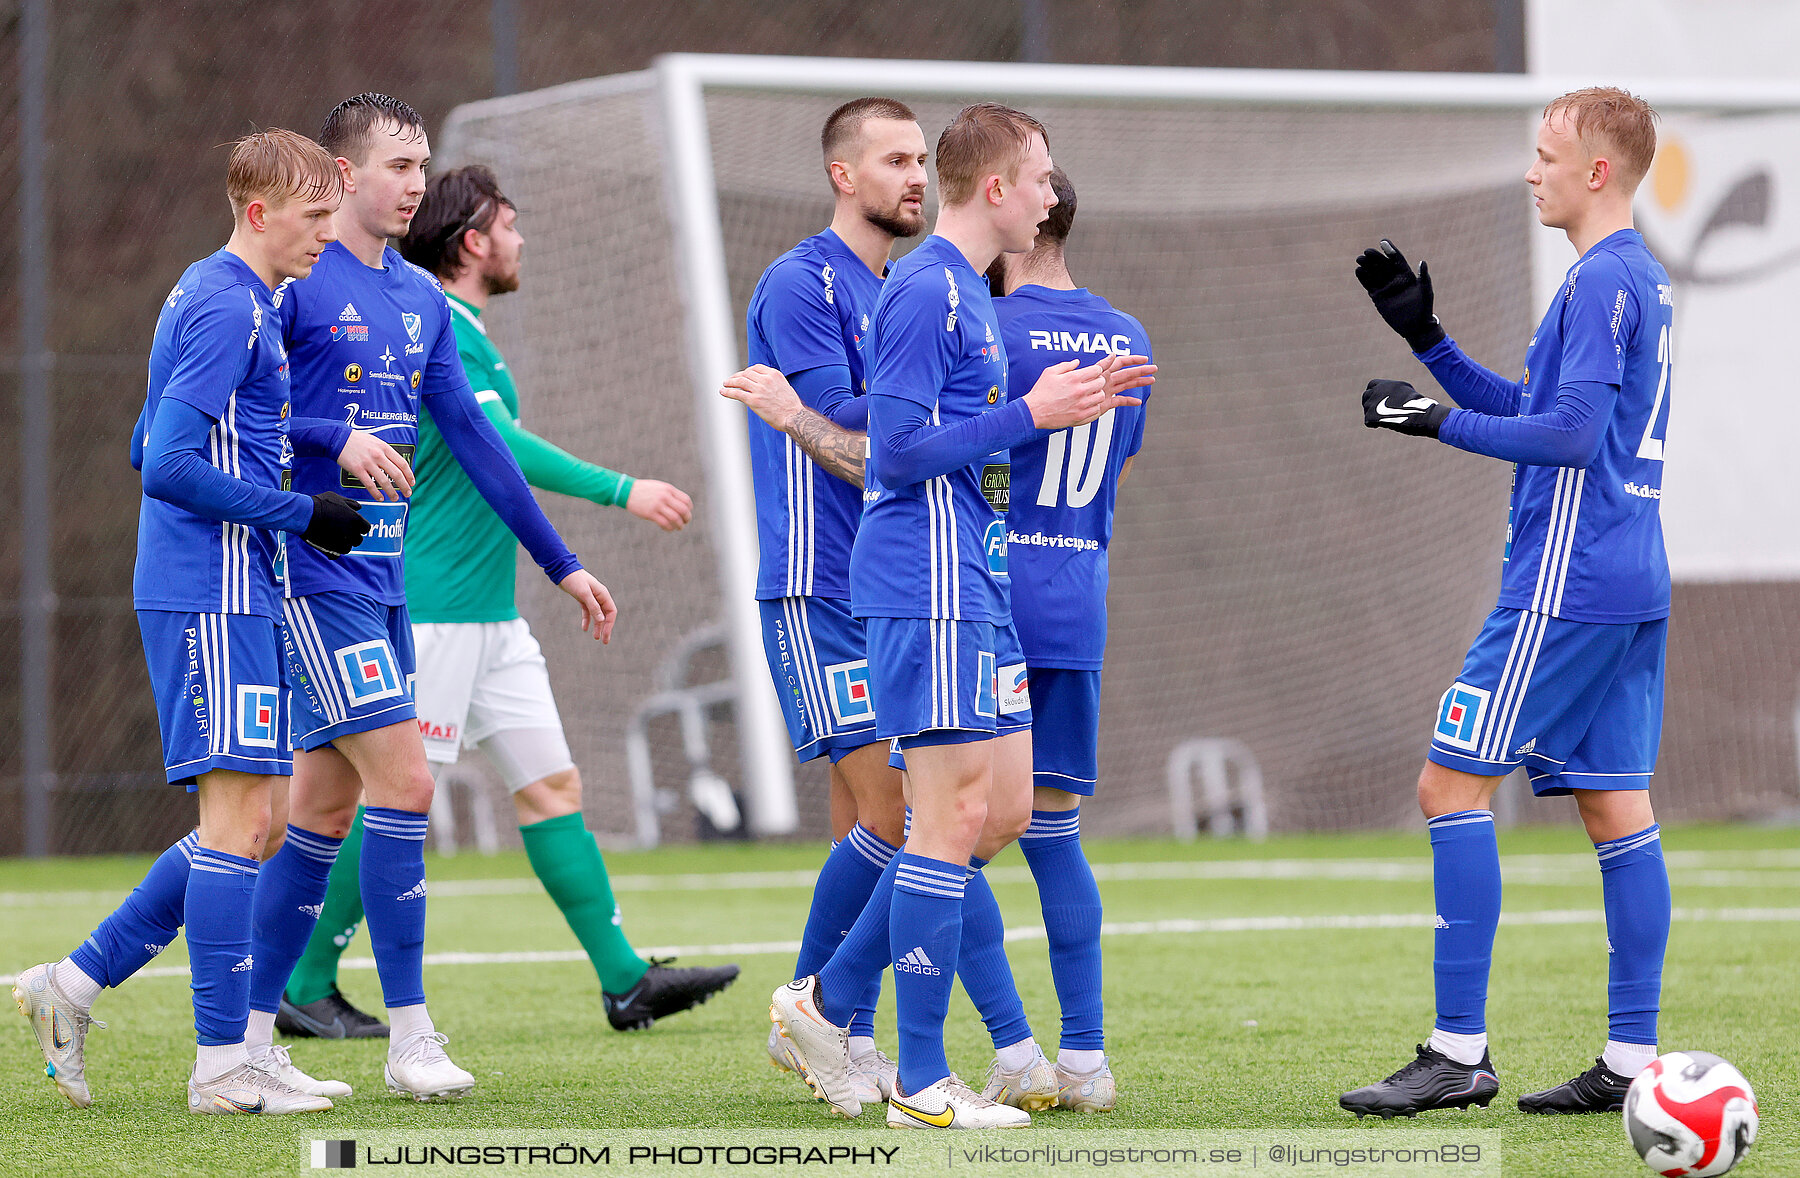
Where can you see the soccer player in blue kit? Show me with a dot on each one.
(807, 326)
(214, 445)
(1059, 529)
(926, 578)
(371, 342)
(1566, 676)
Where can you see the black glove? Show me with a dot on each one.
(1402, 297)
(337, 525)
(1396, 405)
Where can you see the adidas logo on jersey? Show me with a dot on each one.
(416, 892)
(244, 965)
(348, 314)
(917, 962)
(312, 910)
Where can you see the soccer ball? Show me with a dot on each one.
(1690, 1115)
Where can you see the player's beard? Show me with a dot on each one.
(896, 222)
(499, 284)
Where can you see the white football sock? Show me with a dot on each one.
(259, 1034)
(73, 981)
(406, 1021)
(1080, 1062)
(1627, 1059)
(861, 1045)
(1464, 1049)
(1016, 1057)
(212, 1062)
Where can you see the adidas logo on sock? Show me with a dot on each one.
(1439, 922)
(917, 962)
(312, 910)
(154, 948)
(349, 315)
(244, 965)
(417, 892)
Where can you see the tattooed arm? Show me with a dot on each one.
(841, 451)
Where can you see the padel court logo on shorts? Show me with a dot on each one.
(368, 671)
(987, 684)
(1014, 690)
(257, 708)
(849, 685)
(1459, 716)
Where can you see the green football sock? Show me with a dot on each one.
(315, 975)
(567, 859)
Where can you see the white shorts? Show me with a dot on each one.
(478, 681)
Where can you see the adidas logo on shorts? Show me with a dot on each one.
(917, 962)
(416, 892)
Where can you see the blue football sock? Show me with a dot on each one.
(220, 891)
(926, 918)
(1465, 875)
(392, 876)
(845, 884)
(144, 924)
(290, 890)
(845, 979)
(1635, 884)
(1071, 902)
(981, 962)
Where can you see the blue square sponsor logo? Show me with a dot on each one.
(257, 709)
(848, 684)
(995, 544)
(987, 685)
(387, 529)
(368, 671)
(1459, 716)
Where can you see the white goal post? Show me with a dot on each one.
(681, 89)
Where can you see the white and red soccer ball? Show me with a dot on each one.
(1690, 1115)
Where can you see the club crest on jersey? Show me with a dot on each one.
(368, 671)
(987, 684)
(1459, 716)
(1014, 689)
(411, 322)
(994, 544)
(257, 708)
(851, 702)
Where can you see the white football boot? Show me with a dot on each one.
(821, 1047)
(875, 1075)
(61, 1028)
(1033, 1089)
(952, 1104)
(274, 1060)
(1088, 1092)
(249, 1089)
(417, 1067)
(781, 1052)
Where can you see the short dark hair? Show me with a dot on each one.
(984, 139)
(847, 121)
(351, 122)
(1061, 219)
(454, 203)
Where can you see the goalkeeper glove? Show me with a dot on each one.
(1402, 297)
(337, 525)
(1396, 405)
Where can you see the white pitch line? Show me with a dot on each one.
(1691, 868)
(1134, 928)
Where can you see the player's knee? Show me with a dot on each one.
(273, 838)
(414, 791)
(564, 788)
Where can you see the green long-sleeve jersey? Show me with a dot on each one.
(459, 555)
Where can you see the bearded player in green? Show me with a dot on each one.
(481, 676)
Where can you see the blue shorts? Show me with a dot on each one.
(1579, 704)
(820, 665)
(946, 682)
(350, 663)
(1065, 733)
(220, 693)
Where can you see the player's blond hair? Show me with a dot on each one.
(985, 139)
(1613, 122)
(277, 166)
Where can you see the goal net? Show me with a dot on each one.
(1282, 578)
